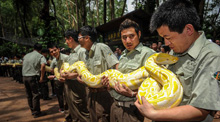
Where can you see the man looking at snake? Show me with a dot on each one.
(178, 23)
(99, 58)
(132, 58)
(75, 92)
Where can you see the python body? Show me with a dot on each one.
(160, 87)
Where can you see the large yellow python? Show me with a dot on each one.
(160, 87)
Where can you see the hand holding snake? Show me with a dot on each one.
(160, 87)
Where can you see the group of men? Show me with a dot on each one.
(178, 23)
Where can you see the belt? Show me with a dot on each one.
(95, 90)
(124, 103)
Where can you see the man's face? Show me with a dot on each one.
(130, 38)
(54, 52)
(154, 46)
(217, 42)
(179, 43)
(69, 42)
(81, 40)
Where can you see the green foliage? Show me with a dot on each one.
(10, 49)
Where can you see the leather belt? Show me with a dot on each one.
(95, 90)
(124, 103)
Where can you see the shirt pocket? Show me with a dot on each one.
(132, 67)
(188, 68)
(97, 66)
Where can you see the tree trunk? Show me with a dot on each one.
(112, 9)
(83, 12)
(123, 9)
(69, 16)
(199, 5)
(21, 19)
(97, 12)
(77, 14)
(104, 10)
(1, 23)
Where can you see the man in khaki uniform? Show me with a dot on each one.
(75, 92)
(178, 23)
(33, 71)
(132, 58)
(57, 63)
(99, 58)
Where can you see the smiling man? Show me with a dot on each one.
(178, 23)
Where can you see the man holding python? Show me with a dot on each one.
(132, 58)
(178, 23)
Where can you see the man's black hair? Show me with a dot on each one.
(72, 33)
(127, 24)
(37, 46)
(175, 14)
(89, 31)
(51, 45)
(44, 51)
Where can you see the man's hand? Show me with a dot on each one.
(79, 78)
(124, 90)
(51, 77)
(146, 109)
(61, 79)
(69, 75)
(105, 82)
(41, 80)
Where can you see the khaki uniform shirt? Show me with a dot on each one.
(58, 62)
(100, 58)
(77, 54)
(195, 70)
(32, 63)
(131, 61)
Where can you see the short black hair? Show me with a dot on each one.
(72, 33)
(37, 46)
(127, 24)
(89, 31)
(44, 50)
(51, 45)
(175, 14)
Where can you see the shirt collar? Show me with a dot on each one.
(137, 48)
(92, 49)
(196, 47)
(75, 49)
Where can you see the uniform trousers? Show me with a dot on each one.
(99, 105)
(59, 86)
(33, 96)
(125, 113)
(76, 99)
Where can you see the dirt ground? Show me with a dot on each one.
(14, 107)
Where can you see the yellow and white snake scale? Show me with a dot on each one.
(157, 84)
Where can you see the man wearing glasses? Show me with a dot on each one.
(99, 58)
(75, 92)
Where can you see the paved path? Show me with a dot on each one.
(14, 107)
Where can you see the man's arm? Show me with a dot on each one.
(42, 69)
(180, 113)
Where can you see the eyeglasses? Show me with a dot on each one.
(81, 37)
